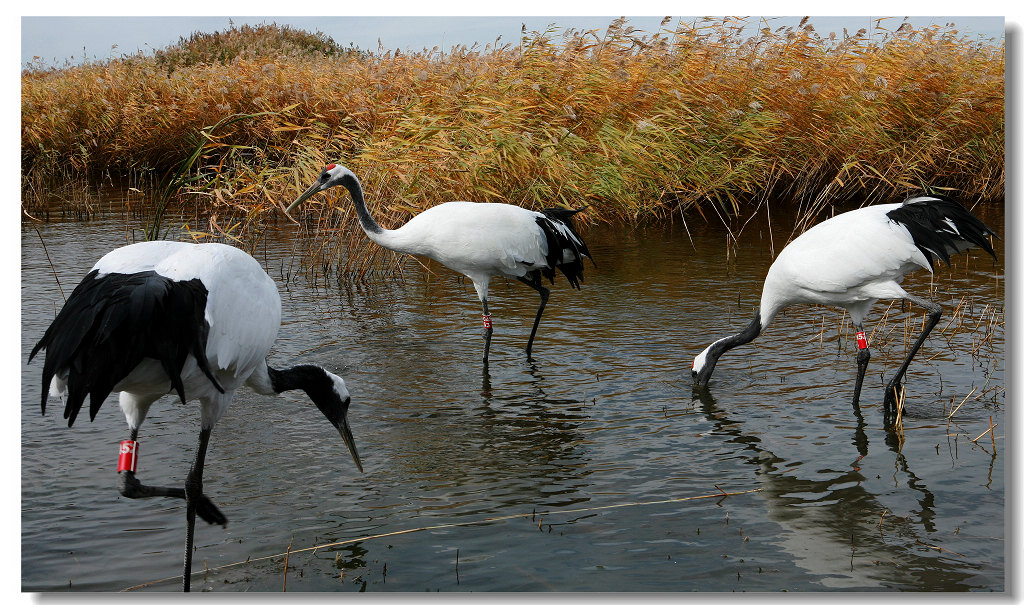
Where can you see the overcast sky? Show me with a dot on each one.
(58, 39)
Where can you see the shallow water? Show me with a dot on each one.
(593, 467)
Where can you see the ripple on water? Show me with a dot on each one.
(597, 452)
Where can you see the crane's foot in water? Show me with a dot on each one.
(131, 487)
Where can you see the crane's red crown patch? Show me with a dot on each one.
(330, 167)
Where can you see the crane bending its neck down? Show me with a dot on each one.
(854, 259)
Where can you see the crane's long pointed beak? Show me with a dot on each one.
(336, 411)
(346, 434)
(305, 196)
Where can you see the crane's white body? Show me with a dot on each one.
(850, 260)
(243, 311)
(479, 240)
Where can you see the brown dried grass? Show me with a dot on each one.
(694, 119)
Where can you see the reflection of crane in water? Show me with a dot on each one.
(465, 441)
(843, 516)
(854, 259)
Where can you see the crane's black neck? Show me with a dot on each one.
(752, 331)
(719, 347)
(362, 212)
(310, 378)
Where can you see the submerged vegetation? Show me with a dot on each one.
(697, 119)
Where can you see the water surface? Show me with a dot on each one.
(596, 449)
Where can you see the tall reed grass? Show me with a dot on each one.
(696, 119)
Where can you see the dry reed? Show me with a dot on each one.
(697, 118)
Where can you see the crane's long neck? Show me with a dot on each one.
(366, 220)
(704, 364)
(305, 377)
(392, 239)
(312, 379)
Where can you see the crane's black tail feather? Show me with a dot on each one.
(110, 323)
(556, 223)
(941, 226)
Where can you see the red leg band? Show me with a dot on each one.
(487, 322)
(129, 458)
(862, 340)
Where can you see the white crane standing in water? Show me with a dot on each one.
(163, 317)
(854, 259)
(479, 240)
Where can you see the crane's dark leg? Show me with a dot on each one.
(193, 493)
(487, 330)
(893, 387)
(130, 487)
(534, 282)
(863, 356)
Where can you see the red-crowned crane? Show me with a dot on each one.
(163, 317)
(479, 240)
(853, 259)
